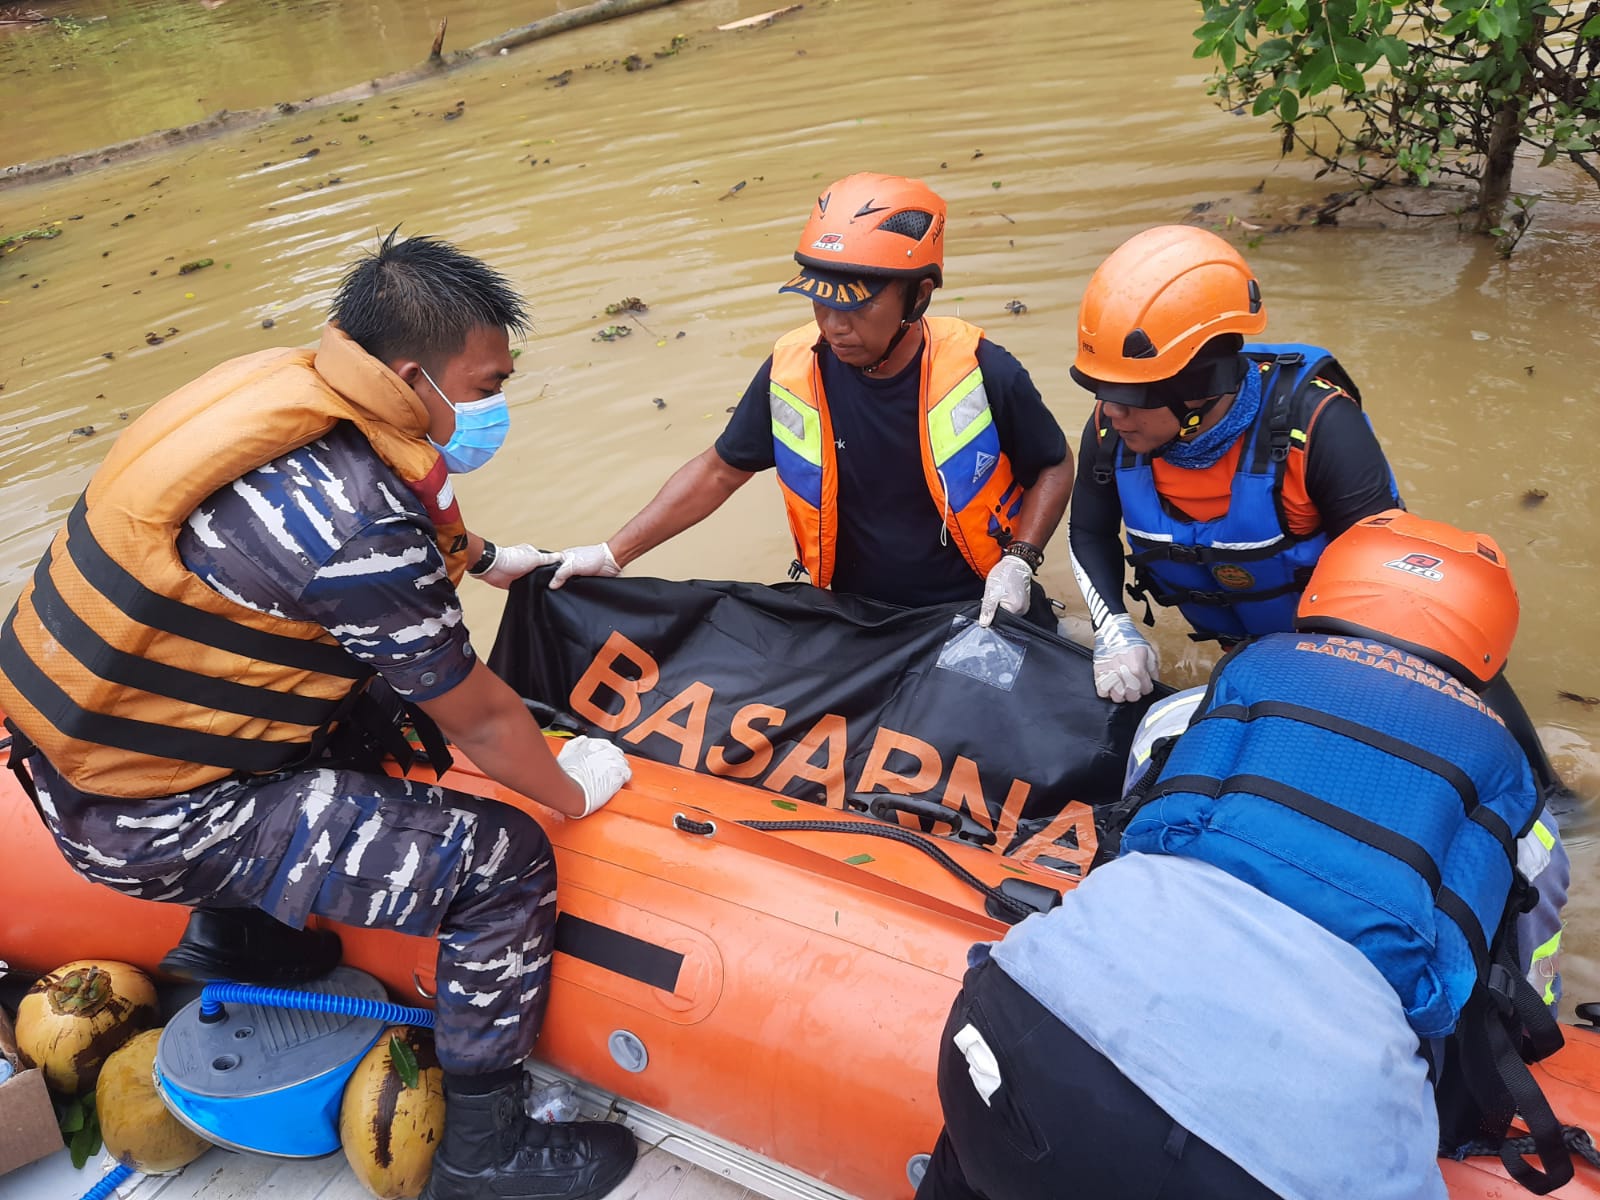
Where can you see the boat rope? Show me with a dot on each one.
(1576, 1140)
(1010, 904)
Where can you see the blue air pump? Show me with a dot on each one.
(263, 1069)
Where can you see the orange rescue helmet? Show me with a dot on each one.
(1153, 304)
(876, 225)
(1443, 593)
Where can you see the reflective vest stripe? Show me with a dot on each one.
(959, 417)
(796, 424)
(1548, 948)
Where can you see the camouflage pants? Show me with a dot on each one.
(361, 849)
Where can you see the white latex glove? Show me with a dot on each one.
(1125, 665)
(585, 560)
(599, 768)
(1008, 585)
(511, 563)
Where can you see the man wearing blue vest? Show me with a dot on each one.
(1230, 465)
(917, 462)
(1319, 879)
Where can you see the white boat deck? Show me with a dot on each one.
(675, 1162)
(221, 1175)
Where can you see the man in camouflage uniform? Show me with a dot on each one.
(192, 674)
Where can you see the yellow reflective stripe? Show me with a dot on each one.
(794, 411)
(1549, 949)
(1546, 838)
(950, 428)
(1297, 435)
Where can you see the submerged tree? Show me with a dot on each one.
(1408, 90)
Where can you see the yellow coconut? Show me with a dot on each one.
(138, 1129)
(72, 1019)
(389, 1131)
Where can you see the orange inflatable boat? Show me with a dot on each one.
(779, 987)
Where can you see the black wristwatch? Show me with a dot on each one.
(485, 560)
(1027, 552)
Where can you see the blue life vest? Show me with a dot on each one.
(1365, 789)
(1242, 573)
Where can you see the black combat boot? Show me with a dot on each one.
(492, 1150)
(247, 945)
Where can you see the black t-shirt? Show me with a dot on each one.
(890, 545)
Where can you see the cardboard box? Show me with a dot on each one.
(28, 1129)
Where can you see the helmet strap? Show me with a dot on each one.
(894, 342)
(1190, 419)
(915, 307)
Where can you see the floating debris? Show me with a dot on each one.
(612, 332)
(81, 432)
(766, 18)
(659, 402)
(1534, 497)
(199, 264)
(1016, 307)
(628, 304)
(268, 323)
(1586, 701)
(12, 242)
(734, 190)
(634, 63)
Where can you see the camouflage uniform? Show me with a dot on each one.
(328, 534)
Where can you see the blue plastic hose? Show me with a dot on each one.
(109, 1182)
(214, 995)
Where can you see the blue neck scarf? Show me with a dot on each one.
(1211, 445)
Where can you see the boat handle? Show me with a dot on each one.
(686, 824)
(883, 806)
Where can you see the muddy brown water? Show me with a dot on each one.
(1054, 128)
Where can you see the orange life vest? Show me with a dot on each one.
(968, 475)
(133, 676)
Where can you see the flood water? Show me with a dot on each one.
(1054, 128)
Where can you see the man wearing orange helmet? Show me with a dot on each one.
(1230, 465)
(917, 462)
(1313, 938)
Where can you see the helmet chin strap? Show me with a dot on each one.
(1189, 420)
(914, 310)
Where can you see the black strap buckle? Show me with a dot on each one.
(796, 570)
(21, 746)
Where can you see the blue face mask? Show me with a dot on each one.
(481, 428)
